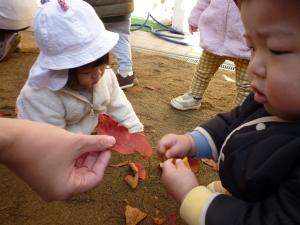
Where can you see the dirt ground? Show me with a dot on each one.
(19, 205)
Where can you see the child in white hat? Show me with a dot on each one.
(70, 83)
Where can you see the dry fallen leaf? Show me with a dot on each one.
(132, 180)
(141, 170)
(120, 164)
(192, 164)
(153, 87)
(133, 167)
(211, 163)
(157, 219)
(172, 218)
(134, 215)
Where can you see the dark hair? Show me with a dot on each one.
(73, 81)
(102, 60)
(238, 3)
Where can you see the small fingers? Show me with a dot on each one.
(168, 164)
(180, 164)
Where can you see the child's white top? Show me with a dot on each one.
(221, 28)
(68, 109)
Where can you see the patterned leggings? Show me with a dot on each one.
(207, 66)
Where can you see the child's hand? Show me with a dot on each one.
(175, 146)
(192, 29)
(178, 179)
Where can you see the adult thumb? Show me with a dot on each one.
(93, 143)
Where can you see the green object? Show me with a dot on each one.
(111, 8)
(150, 22)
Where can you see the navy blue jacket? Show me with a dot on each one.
(259, 165)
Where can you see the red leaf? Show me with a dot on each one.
(172, 218)
(126, 143)
(4, 114)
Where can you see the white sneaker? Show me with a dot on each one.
(185, 102)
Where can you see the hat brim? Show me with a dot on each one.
(82, 56)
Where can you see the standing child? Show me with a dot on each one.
(70, 83)
(116, 16)
(258, 143)
(221, 31)
(15, 16)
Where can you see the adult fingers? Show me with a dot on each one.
(93, 177)
(101, 163)
(90, 160)
(91, 143)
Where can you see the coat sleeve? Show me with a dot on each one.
(120, 109)
(41, 105)
(196, 12)
(203, 207)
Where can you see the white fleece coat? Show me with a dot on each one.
(69, 110)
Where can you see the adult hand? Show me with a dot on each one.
(175, 146)
(57, 164)
(178, 179)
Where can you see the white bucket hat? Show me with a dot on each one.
(68, 38)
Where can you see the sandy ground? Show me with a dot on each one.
(103, 205)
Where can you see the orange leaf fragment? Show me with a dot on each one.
(185, 161)
(211, 163)
(134, 215)
(120, 164)
(159, 220)
(133, 167)
(194, 164)
(132, 180)
(139, 173)
(141, 170)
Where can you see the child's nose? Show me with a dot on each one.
(257, 66)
